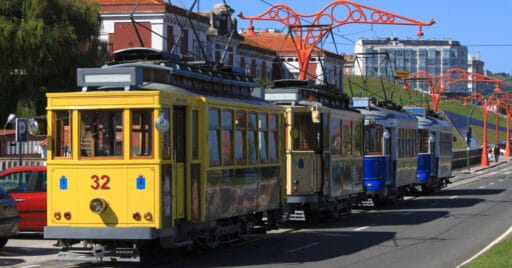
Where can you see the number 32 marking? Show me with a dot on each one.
(100, 182)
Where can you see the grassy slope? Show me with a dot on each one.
(356, 85)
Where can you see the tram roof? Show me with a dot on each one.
(427, 119)
(130, 69)
(384, 113)
(306, 93)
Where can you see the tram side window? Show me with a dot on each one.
(142, 132)
(335, 137)
(401, 143)
(62, 134)
(101, 133)
(373, 140)
(166, 152)
(346, 137)
(358, 137)
(446, 143)
(251, 136)
(273, 138)
(227, 137)
(195, 134)
(240, 125)
(214, 136)
(263, 137)
(305, 133)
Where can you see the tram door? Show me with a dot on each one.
(180, 145)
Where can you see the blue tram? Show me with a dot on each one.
(434, 150)
(323, 150)
(390, 149)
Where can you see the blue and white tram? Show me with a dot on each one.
(434, 150)
(390, 150)
(323, 147)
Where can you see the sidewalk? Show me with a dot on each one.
(463, 173)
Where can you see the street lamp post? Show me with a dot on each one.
(486, 101)
(9, 120)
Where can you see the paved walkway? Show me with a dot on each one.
(465, 172)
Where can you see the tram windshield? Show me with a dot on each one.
(373, 139)
(305, 133)
(101, 133)
(423, 145)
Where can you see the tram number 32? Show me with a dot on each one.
(100, 182)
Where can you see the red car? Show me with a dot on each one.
(27, 185)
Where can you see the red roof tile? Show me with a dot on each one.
(280, 42)
(128, 2)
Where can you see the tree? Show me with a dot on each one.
(42, 44)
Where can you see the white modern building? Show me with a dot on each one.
(382, 57)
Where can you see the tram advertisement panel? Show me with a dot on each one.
(241, 191)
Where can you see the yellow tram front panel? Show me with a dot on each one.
(127, 183)
(130, 196)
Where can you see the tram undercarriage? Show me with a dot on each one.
(327, 208)
(184, 236)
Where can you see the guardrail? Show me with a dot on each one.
(460, 158)
(9, 162)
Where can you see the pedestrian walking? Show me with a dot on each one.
(496, 152)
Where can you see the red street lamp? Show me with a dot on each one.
(306, 37)
(438, 84)
(486, 101)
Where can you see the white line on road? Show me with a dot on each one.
(500, 180)
(361, 228)
(492, 183)
(454, 196)
(496, 241)
(303, 247)
(481, 187)
(30, 266)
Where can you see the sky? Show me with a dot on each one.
(483, 26)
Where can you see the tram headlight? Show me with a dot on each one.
(98, 205)
(57, 215)
(161, 123)
(148, 216)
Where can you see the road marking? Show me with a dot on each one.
(481, 187)
(30, 266)
(454, 196)
(303, 247)
(492, 183)
(496, 241)
(362, 228)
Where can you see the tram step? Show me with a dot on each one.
(297, 215)
(86, 254)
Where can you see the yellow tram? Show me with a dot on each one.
(159, 152)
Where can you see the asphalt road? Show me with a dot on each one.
(439, 230)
